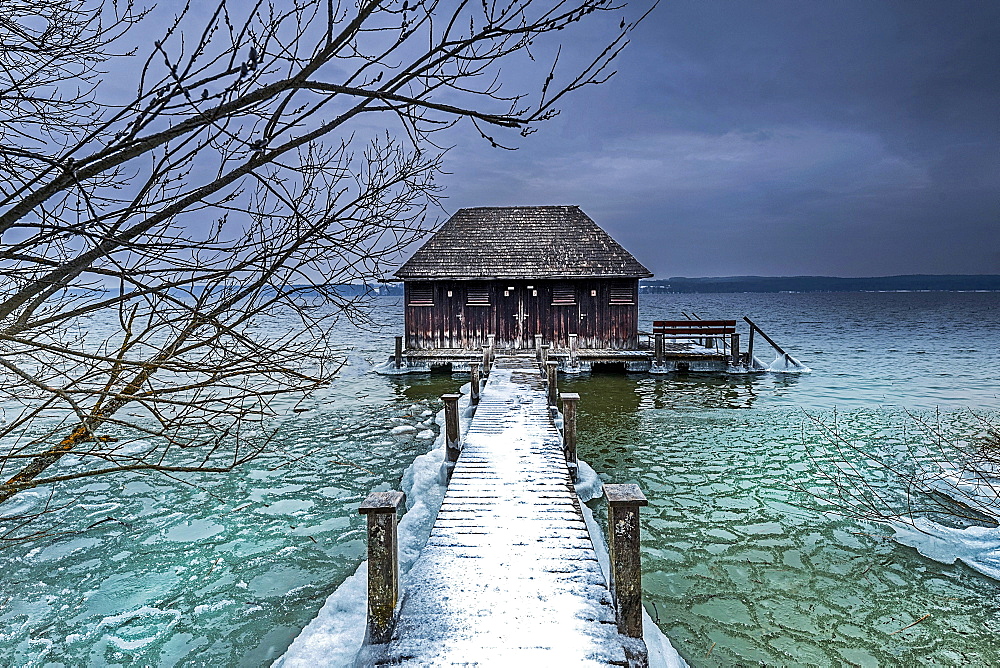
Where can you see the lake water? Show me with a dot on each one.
(742, 565)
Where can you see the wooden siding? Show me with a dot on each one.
(519, 309)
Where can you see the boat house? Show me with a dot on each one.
(514, 273)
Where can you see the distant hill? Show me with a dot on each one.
(911, 283)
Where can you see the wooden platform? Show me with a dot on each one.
(678, 356)
(509, 575)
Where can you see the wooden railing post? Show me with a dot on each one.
(623, 548)
(452, 444)
(538, 348)
(734, 348)
(658, 348)
(383, 563)
(474, 383)
(399, 351)
(573, 361)
(492, 340)
(486, 360)
(569, 401)
(551, 375)
(544, 352)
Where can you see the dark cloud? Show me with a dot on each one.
(847, 138)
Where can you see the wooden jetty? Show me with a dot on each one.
(509, 573)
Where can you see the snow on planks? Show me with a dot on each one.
(509, 572)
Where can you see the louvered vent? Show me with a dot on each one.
(421, 296)
(478, 297)
(563, 294)
(622, 295)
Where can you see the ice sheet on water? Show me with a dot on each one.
(388, 368)
(978, 547)
(781, 364)
(661, 653)
(334, 637)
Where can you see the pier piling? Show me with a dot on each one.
(383, 563)
(573, 358)
(624, 502)
(569, 401)
(452, 445)
(474, 383)
(399, 352)
(551, 375)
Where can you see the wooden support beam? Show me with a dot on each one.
(544, 354)
(658, 348)
(624, 502)
(486, 360)
(551, 376)
(452, 442)
(383, 563)
(569, 401)
(399, 351)
(474, 383)
(538, 348)
(573, 343)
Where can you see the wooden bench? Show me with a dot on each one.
(690, 329)
(703, 331)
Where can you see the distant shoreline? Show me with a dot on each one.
(907, 283)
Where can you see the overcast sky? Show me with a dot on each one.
(849, 138)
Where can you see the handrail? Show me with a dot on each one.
(753, 326)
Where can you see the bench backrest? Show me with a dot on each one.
(691, 328)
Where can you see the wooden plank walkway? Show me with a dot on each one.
(509, 573)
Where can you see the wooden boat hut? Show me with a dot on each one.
(518, 272)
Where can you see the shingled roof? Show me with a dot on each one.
(520, 242)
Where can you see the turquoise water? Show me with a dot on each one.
(742, 566)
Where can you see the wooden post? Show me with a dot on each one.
(544, 350)
(452, 444)
(551, 374)
(658, 348)
(572, 350)
(623, 548)
(492, 339)
(569, 400)
(399, 351)
(734, 348)
(538, 348)
(474, 383)
(750, 349)
(383, 563)
(486, 360)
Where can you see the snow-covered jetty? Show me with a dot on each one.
(509, 573)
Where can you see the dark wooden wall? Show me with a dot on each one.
(520, 309)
